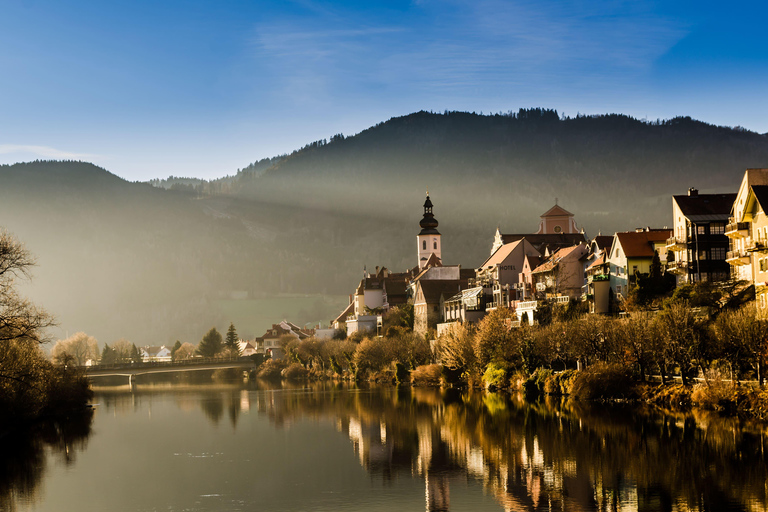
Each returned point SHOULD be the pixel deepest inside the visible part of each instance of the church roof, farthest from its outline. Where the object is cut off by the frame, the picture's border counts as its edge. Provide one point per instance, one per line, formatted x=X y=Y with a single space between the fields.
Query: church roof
x=557 y=211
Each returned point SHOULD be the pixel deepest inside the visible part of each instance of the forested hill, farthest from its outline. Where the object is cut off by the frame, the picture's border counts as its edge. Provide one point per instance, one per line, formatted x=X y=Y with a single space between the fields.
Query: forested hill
x=612 y=171
x=120 y=259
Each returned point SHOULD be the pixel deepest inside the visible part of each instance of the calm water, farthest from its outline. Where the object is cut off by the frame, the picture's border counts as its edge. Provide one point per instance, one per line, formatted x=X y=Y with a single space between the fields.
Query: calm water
x=329 y=448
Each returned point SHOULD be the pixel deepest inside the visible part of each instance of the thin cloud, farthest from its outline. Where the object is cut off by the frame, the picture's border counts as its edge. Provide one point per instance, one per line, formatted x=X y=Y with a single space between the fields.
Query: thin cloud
x=43 y=151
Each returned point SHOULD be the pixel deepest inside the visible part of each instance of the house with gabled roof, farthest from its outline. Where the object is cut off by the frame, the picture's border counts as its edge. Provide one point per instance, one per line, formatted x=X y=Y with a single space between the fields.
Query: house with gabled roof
x=631 y=253
x=562 y=274
x=698 y=244
x=500 y=273
x=747 y=210
x=269 y=343
x=247 y=348
x=428 y=299
x=155 y=354
x=747 y=231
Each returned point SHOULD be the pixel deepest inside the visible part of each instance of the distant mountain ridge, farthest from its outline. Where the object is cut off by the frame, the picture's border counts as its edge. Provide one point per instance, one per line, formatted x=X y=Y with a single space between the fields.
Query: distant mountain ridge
x=146 y=263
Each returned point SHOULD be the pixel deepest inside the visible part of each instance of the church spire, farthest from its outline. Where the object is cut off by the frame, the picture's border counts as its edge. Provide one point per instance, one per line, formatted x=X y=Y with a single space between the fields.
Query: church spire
x=428 y=238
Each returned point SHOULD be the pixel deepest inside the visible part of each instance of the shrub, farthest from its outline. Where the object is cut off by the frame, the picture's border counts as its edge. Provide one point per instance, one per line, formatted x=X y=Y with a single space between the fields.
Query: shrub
x=495 y=376
x=604 y=381
x=427 y=375
x=295 y=372
x=271 y=369
x=401 y=373
x=536 y=382
x=560 y=383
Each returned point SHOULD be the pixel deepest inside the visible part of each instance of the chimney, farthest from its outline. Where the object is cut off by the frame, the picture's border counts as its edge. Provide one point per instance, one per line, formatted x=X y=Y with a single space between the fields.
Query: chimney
x=693 y=192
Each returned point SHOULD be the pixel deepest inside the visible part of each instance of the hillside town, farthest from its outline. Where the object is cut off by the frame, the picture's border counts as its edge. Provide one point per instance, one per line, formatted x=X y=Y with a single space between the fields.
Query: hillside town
x=715 y=238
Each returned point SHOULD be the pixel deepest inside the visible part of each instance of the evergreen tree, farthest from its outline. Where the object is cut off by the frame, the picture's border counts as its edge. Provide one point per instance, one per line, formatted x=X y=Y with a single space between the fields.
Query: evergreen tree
x=176 y=346
x=211 y=344
x=231 y=340
x=135 y=355
x=107 y=355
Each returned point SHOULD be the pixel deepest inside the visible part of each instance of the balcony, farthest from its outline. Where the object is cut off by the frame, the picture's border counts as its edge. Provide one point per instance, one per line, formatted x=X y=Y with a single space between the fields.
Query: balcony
x=737 y=229
x=676 y=244
x=756 y=246
x=737 y=257
x=677 y=267
x=598 y=278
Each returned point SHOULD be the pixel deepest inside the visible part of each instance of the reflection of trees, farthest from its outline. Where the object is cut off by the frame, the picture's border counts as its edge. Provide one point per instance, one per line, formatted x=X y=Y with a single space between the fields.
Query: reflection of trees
x=213 y=407
x=547 y=455
x=23 y=460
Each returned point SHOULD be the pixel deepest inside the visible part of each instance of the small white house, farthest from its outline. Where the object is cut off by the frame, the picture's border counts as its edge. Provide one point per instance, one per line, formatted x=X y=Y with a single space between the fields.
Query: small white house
x=155 y=354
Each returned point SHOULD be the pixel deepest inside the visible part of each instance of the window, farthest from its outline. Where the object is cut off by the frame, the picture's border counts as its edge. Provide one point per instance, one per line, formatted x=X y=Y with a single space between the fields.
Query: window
x=718 y=253
x=424 y=245
x=717 y=228
x=701 y=230
x=702 y=255
x=434 y=245
x=762 y=263
x=618 y=289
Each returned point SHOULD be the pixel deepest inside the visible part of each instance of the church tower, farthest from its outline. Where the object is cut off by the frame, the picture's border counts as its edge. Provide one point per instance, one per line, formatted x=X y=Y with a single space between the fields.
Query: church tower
x=430 y=250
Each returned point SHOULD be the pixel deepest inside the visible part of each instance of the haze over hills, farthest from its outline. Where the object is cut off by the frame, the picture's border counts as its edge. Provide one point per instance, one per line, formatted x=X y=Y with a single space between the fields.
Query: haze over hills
x=120 y=259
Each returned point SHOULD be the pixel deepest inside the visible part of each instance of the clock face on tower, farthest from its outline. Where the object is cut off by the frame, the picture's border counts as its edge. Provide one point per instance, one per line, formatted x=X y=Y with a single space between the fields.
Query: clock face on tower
x=558 y=229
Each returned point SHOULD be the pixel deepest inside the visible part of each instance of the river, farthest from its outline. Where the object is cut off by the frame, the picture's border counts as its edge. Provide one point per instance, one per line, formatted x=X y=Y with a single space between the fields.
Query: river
x=327 y=447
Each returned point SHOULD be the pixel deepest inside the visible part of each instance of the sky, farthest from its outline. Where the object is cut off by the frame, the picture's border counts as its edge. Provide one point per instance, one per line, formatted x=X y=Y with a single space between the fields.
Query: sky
x=151 y=89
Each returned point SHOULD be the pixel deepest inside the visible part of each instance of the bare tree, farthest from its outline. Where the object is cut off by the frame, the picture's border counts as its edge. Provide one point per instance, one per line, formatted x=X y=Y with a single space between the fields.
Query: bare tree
x=78 y=349
x=19 y=319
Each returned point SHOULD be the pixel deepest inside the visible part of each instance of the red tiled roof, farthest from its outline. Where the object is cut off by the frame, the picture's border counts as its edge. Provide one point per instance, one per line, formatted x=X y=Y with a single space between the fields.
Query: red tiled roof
x=639 y=244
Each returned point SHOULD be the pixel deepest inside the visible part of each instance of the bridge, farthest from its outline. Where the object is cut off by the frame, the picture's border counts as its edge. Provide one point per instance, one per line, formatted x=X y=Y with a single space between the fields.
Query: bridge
x=132 y=369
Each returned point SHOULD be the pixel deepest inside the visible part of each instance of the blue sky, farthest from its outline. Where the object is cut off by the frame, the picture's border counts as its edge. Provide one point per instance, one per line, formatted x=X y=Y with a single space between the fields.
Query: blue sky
x=152 y=89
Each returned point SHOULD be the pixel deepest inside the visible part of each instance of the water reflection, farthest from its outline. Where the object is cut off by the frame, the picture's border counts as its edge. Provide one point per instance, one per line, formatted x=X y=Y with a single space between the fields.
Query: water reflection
x=549 y=455
x=25 y=456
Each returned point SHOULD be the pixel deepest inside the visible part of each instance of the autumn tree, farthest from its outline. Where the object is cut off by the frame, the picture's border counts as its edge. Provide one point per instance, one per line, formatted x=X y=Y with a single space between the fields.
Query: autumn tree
x=493 y=339
x=122 y=349
x=457 y=351
x=682 y=335
x=742 y=339
x=77 y=349
x=185 y=351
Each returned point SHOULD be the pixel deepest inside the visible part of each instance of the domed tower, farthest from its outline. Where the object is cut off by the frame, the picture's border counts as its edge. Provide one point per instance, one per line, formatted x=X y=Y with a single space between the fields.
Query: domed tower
x=429 y=238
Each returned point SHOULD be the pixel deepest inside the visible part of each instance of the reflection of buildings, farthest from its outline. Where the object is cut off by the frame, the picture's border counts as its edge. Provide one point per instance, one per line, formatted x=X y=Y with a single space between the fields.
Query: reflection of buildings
x=542 y=456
